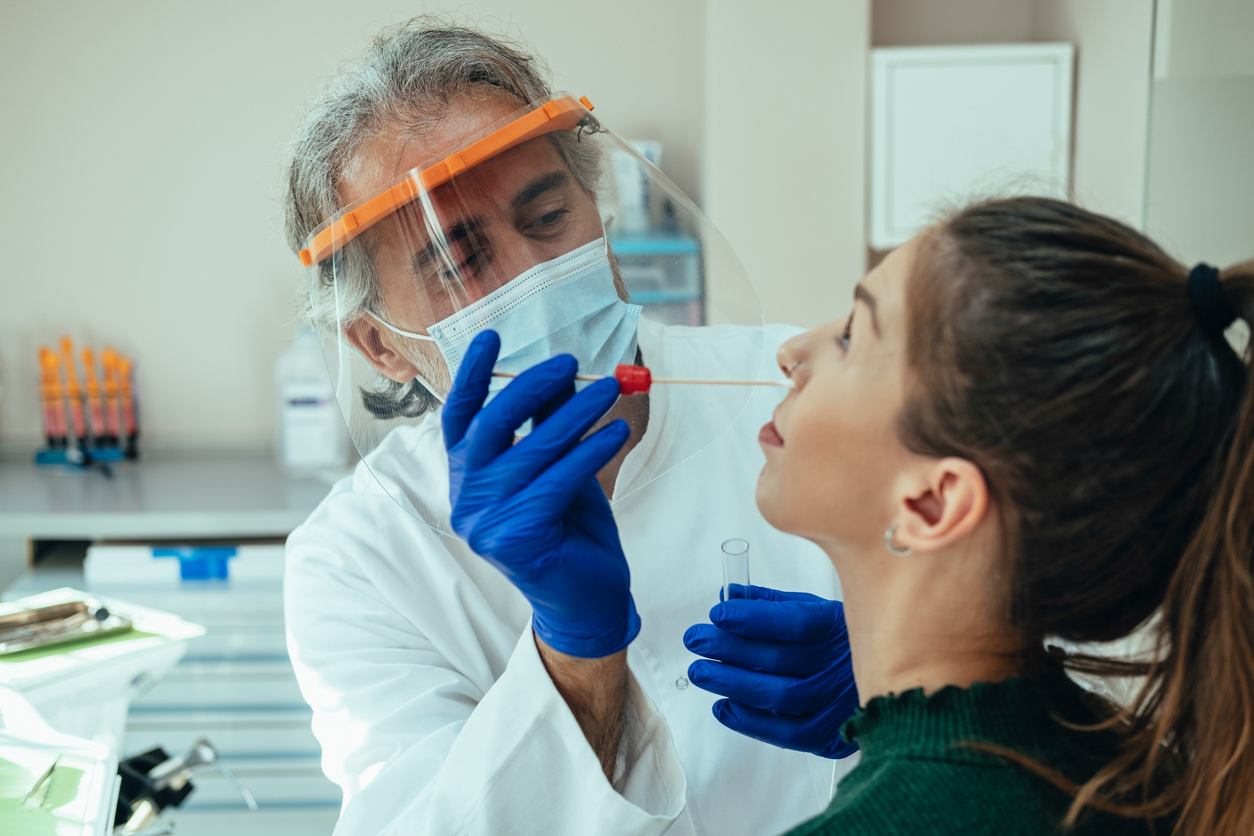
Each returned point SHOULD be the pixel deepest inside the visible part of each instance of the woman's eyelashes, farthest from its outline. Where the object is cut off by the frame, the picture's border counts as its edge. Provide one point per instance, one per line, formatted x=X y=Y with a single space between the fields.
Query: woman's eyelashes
x=847 y=334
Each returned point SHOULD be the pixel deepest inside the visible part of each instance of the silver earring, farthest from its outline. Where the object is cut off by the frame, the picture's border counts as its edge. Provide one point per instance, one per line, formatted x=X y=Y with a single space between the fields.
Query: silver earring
x=888 y=543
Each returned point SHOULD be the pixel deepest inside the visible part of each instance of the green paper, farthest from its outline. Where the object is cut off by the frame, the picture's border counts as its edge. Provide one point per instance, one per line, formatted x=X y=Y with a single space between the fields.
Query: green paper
x=62 y=786
x=15 y=781
x=74 y=644
x=17 y=819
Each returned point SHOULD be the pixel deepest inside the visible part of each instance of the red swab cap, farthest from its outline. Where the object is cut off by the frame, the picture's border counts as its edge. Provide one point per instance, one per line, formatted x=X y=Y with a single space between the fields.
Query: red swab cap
x=633 y=380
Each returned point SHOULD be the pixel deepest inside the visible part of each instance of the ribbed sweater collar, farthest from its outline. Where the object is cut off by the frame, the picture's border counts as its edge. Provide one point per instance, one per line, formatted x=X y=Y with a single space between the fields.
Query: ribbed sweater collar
x=1018 y=713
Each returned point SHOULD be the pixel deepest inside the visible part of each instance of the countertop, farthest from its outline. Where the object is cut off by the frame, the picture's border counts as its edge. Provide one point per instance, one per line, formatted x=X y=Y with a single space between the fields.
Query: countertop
x=194 y=498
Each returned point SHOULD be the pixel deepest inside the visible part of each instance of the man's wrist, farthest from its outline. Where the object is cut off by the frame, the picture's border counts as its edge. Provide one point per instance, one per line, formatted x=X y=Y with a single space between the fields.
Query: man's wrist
x=595 y=690
x=596 y=638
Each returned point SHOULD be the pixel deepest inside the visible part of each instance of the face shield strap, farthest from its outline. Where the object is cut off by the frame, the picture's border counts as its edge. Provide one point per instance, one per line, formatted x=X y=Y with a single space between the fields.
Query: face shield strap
x=396 y=330
x=426 y=384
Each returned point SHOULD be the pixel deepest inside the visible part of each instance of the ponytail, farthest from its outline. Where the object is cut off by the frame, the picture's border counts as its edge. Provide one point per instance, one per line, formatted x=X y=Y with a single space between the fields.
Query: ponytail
x=1190 y=753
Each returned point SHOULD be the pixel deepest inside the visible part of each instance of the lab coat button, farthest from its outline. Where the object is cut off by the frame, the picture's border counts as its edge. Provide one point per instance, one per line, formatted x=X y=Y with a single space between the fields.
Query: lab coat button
x=681 y=683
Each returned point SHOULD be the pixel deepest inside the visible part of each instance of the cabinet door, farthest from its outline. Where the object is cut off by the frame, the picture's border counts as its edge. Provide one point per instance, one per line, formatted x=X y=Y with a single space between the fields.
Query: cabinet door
x=949 y=124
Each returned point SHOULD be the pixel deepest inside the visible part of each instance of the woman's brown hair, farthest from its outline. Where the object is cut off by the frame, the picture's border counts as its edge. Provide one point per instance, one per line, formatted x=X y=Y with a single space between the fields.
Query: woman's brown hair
x=1059 y=351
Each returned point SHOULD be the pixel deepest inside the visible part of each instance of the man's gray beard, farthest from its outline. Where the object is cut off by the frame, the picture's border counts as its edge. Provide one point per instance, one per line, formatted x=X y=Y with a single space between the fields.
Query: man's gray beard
x=432 y=371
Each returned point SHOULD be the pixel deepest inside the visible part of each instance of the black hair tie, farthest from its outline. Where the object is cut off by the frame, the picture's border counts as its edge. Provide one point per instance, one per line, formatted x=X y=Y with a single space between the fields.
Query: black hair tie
x=1211 y=305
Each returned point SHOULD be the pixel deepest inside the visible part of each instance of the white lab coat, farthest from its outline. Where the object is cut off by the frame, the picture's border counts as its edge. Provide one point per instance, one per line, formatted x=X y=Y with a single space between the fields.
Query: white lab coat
x=430 y=700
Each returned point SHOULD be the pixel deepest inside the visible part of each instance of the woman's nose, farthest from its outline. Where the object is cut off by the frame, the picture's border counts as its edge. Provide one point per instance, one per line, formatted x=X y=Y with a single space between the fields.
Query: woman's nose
x=791 y=358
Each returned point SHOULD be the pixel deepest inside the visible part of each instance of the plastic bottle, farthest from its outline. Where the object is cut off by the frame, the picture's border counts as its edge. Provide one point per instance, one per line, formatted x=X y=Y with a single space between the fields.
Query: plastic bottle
x=311 y=433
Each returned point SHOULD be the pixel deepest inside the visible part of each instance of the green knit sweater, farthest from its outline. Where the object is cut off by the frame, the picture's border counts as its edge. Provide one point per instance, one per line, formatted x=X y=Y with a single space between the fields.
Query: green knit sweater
x=915 y=776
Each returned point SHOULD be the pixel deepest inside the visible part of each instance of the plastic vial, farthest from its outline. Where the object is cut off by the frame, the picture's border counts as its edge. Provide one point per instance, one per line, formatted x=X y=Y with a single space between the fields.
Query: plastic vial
x=735 y=567
x=311 y=433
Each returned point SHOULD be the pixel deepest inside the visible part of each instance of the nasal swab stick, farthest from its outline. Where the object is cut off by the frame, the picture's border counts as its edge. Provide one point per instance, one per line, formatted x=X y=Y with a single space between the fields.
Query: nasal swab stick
x=634 y=380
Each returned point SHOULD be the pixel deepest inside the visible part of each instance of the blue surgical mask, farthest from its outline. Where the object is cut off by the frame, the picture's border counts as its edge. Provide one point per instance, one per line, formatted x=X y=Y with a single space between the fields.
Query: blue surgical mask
x=565 y=306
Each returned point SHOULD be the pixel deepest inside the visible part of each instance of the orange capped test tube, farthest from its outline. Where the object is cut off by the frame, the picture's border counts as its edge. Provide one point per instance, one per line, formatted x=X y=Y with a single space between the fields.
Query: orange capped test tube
x=109 y=359
x=73 y=392
x=127 y=394
x=45 y=400
x=95 y=411
x=54 y=407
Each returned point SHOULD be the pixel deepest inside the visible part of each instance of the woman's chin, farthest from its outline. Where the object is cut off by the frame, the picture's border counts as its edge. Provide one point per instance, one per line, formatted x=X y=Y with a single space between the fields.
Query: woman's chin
x=767 y=497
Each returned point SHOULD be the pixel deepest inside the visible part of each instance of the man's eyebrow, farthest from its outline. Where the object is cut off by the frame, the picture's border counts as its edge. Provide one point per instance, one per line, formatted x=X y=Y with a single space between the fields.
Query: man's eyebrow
x=860 y=292
x=457 y=232
x=540 y=185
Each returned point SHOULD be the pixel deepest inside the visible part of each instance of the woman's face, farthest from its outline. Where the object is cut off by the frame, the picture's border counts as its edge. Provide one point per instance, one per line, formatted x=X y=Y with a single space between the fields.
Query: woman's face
x=832 y=451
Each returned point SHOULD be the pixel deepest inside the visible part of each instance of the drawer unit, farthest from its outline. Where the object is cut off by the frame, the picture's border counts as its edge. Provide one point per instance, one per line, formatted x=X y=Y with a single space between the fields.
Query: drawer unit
x=236 y=734
x=235 y=686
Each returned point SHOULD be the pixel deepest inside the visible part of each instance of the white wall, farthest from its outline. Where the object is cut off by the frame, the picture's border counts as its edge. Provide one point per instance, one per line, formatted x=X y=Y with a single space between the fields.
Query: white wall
x=932 y=23
x=140 y=159
x=1205 y=38
x=1200 y=184
x=1114 y=46
x=784 y=149
x=1113 y=39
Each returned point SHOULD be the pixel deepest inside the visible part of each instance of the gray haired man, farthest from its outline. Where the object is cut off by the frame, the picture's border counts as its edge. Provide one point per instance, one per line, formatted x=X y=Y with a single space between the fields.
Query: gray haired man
x=438 y=188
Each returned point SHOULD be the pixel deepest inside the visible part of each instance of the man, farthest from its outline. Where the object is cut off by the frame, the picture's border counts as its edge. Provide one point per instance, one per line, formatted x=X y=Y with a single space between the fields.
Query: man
x=437 y=190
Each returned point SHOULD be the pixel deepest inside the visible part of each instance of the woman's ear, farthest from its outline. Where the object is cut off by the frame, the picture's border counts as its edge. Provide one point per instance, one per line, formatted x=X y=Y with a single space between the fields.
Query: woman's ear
x=942 y=504
x=376 y=347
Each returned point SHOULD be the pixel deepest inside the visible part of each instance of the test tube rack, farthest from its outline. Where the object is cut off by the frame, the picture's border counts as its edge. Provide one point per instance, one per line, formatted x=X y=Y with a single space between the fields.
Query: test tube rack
x=91 y=420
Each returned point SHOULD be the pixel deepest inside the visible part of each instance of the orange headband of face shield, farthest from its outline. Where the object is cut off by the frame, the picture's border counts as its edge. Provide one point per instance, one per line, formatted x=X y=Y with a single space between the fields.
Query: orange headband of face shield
x=557 y=115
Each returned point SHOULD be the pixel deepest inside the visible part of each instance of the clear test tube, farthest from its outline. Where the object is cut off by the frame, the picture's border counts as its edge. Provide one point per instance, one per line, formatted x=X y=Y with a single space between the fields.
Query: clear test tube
x=735 y=567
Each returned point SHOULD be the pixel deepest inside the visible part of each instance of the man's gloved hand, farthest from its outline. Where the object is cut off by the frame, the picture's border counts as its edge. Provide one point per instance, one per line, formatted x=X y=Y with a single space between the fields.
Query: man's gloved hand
x=784 y=665
x=535 y=509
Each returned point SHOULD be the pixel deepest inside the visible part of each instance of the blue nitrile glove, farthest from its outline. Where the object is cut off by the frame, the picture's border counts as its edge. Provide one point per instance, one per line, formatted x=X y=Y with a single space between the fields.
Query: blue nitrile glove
x=535 y=509
x=784 y=664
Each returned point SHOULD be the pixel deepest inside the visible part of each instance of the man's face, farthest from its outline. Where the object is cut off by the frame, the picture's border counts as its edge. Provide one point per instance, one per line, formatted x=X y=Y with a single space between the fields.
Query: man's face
x=469 y=236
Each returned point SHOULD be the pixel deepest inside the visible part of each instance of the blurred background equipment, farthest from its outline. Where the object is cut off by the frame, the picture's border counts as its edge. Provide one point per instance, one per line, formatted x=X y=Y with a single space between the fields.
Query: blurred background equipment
x=235 y=686
x=311 y=434
x=660 y=264
x=153 y=781
x=83 y=685
x=80 y=427
x=52 y=782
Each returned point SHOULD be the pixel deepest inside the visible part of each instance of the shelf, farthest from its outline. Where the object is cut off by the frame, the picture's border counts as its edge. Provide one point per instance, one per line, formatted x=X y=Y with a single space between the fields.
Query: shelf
x=659 y=244
x=662 y=297
x=236 y=496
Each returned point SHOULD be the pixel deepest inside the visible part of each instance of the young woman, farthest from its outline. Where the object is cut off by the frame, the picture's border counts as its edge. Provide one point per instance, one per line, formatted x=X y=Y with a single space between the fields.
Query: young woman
x=1030 y=426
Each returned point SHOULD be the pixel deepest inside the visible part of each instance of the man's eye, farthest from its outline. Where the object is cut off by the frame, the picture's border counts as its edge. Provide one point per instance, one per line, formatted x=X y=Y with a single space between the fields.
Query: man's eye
x=464 y=268
x=549 y=219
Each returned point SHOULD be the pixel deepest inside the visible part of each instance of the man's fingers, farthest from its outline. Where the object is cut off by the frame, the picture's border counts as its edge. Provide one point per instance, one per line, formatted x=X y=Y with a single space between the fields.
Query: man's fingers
x=471 y=387
x=522 y=463
x=555 y=488
x=787 y=621
x=552 y=405
x=491 y=432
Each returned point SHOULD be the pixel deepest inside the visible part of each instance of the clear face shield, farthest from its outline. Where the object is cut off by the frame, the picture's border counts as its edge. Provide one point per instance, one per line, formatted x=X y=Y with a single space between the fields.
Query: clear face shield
x=545 y=227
